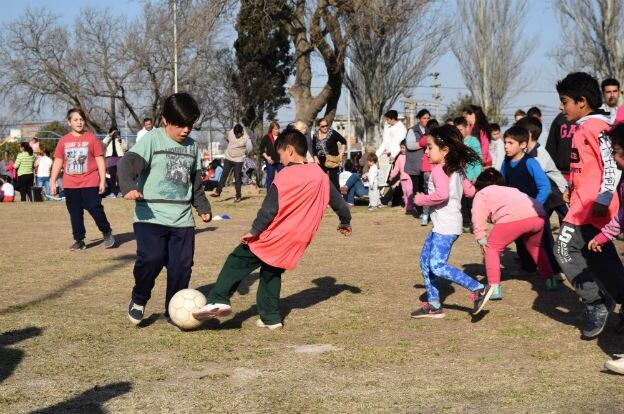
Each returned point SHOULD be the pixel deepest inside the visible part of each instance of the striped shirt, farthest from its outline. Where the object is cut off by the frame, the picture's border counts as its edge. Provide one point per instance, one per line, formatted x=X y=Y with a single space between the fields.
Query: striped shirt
x=24 y=163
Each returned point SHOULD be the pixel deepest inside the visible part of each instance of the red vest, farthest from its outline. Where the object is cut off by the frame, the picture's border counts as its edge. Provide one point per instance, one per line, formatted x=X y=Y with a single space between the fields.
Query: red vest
x=303 y=195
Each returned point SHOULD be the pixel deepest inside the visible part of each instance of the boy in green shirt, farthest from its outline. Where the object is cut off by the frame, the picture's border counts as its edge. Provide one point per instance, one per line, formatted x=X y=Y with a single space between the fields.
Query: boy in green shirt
x=162 y=174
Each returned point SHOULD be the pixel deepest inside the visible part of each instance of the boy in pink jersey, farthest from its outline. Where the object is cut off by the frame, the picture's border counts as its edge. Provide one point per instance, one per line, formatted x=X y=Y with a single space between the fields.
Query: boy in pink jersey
x=286 y=223
x=597 y=278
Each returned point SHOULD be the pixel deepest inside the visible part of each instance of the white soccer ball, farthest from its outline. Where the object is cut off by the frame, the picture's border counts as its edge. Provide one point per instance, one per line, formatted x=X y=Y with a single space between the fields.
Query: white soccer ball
x=182 y=306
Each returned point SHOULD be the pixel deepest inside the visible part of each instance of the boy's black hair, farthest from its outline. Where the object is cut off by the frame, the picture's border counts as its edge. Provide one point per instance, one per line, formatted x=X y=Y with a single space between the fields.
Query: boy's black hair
x=520 y=112
x=147 y=119
x=432 y=123
x=348 y=166
x=422 y=113
x=517 y=133
x=295 y=139
x=238 y=130
x=609 y=82
x=494 y=127
x=78 y=111
x=459 y=154
x=181 y=109
x=372 y=157
x=617 y=136
x=532 y=125
x=534 y=111
x=392 y=114
x=47 y=152
x=489 y=176
x=460 y=120
x=579 y=85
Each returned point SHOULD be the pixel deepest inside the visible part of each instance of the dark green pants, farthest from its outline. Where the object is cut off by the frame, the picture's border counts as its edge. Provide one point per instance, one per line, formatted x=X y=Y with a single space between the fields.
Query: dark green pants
x=240 y=263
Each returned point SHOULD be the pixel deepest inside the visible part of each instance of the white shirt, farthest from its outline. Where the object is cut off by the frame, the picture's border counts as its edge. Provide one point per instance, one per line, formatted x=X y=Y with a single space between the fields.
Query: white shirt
x=343 y=177
x=612 y=110
x=446 y=217
x=140 y=134
x=44 y=167
x=391 y=139
x=8 y=190
x=497 y=152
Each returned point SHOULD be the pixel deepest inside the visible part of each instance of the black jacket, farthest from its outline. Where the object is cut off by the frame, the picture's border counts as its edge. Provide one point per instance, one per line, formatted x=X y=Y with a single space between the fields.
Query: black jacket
x=331 y=143
x=559 y=143
x=266 y=146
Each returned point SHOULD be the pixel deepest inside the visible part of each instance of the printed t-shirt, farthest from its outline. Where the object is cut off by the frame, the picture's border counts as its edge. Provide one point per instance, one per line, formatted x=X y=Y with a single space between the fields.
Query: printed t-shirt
x=78 y=155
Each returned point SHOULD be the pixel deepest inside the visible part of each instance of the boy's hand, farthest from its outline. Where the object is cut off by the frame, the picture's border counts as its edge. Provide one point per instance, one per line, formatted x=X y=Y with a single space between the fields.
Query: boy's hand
x=247 y=237
x=566 y=196
x=345 y=231
x=206 y=217
x=53 y=189
x=600 y=210
x=482 y=249
x=594 y=246
x=133 y=195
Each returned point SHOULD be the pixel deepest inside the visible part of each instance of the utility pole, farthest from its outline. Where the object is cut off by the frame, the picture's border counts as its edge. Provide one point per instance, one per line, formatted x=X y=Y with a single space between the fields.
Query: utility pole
x=436 y=93
x=175 y=46
x=348 y=116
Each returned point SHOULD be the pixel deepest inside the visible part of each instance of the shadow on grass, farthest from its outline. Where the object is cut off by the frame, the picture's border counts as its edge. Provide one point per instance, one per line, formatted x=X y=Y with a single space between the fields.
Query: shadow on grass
x=242 y=288
x=117 y=261
x=90 y=401
x=10 y=358
x=325 y=289
x=123 y=238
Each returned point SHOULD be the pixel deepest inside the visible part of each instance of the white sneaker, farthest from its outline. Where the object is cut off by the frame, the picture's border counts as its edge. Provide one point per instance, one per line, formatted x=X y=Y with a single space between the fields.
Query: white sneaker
x=261 y=324
x=212 y=310
x=616 y=365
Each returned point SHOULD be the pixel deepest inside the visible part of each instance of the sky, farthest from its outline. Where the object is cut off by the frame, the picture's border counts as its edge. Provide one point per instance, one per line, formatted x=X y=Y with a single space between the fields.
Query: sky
x=542 y=70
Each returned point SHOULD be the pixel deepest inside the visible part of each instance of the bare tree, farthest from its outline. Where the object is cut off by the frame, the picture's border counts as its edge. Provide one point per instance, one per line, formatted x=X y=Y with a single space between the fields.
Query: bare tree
x=396 y=41
x=490 y=50
x=323 y=26
x=594 y=36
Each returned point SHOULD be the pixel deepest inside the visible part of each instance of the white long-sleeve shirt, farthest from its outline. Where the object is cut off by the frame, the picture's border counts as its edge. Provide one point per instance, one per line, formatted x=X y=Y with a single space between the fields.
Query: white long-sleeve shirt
x=548 y=165
x=391 y=139
x=497 y=152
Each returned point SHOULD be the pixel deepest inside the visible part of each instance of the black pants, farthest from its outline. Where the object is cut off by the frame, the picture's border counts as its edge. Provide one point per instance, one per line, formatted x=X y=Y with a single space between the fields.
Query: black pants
x=211 y=185
x=238 y=172
x=157 y=247
x=113 y=183
x=548 y=243
x=466 y=210
x=79 y=199
x=25 y=183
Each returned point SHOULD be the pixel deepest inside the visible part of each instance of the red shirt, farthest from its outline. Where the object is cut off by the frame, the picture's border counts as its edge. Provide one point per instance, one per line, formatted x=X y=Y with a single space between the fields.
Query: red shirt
x=78 y=155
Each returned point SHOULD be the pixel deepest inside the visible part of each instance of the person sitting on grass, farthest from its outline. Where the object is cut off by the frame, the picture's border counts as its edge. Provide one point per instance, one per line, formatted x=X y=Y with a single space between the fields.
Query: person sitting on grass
x=284 y=227
x=7 y=191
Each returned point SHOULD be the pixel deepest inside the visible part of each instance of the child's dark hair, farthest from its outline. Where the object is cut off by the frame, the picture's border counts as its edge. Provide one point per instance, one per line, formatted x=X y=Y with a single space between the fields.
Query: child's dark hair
x=46 y=152
x=579 y=85
x=402 y=143
x=181 y=109
x=520 y=112
x=26 y=147
x=76 y=111
x=238 y=130
x=489 y=176
x=534 y=111
x=460 y=120
x=532 y=125
x=348 y=166
x=147 y=119
x=518 y=134
x=459 y=155
x=295 y=139
x=392 y=114
x=617 y=136
x=481 y=122
x=494 y=127
x=372 y=158
x=432 y=123
x=422 y=113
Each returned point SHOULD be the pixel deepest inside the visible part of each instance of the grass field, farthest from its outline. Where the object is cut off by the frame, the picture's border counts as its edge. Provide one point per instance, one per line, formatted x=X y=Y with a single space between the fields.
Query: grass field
x=348 y=344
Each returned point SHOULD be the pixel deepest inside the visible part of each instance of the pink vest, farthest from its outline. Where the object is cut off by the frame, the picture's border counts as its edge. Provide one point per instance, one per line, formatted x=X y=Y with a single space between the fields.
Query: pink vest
x=303 y=195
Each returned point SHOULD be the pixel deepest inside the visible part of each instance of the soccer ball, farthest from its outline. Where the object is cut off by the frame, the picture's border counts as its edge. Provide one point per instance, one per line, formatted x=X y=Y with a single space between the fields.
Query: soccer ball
x=182 y=306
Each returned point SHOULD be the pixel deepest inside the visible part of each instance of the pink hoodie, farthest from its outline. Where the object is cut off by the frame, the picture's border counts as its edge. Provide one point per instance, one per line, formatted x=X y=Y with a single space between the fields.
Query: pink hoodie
x=499 y=204
x=399 y=167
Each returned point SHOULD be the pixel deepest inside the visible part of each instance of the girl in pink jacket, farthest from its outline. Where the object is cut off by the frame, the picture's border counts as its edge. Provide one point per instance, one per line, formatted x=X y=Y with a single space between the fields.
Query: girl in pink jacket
x=514 y=215
x=406 y=180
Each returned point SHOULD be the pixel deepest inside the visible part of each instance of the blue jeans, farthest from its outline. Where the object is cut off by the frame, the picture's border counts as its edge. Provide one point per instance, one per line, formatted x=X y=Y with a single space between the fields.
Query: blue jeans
x=355 y=188
x=271 y=169
x=433 y=258
x=45 y=183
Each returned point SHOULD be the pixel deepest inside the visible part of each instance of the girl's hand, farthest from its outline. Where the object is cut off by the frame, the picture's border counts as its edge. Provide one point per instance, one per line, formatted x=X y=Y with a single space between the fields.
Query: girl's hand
x=53 y=189
x=594 y=246
x=482 y=249
x=102 y=188
x=206 y=217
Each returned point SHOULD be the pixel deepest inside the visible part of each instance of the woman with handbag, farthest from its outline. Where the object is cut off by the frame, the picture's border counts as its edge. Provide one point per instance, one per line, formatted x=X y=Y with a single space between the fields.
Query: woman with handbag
x=327 y=152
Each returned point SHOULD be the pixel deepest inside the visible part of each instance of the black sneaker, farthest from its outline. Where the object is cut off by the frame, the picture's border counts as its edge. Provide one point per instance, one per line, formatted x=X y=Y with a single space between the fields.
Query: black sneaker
x=596 y=316
x=428 y=311
x=109 y=240
x=480 y=298
x=135 y=313
x=78 y=245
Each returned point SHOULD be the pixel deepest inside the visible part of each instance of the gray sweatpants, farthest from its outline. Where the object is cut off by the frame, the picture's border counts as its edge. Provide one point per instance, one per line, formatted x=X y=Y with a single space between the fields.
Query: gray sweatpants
x=592 y=274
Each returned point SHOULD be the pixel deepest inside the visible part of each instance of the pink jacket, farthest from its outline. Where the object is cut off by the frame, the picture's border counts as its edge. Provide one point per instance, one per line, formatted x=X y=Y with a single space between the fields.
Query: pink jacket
x=399 y=167
x=499 y=204
x=614 y=227
x=426 y=166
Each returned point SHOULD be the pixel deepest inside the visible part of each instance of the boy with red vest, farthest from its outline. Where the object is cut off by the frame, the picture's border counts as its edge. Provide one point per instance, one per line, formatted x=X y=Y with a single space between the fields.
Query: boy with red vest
x=286 y=223
x=597 y=278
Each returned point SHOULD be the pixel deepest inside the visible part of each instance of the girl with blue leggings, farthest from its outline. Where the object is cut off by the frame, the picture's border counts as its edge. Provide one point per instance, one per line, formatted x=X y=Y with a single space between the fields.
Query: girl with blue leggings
x=449 y=156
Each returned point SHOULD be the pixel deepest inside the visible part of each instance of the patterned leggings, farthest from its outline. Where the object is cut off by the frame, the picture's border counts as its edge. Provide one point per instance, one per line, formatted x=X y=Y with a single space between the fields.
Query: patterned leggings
x=433 y=258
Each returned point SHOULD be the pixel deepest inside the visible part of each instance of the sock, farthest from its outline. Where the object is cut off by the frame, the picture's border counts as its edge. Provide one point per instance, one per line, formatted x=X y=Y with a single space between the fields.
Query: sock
x=435 y=304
